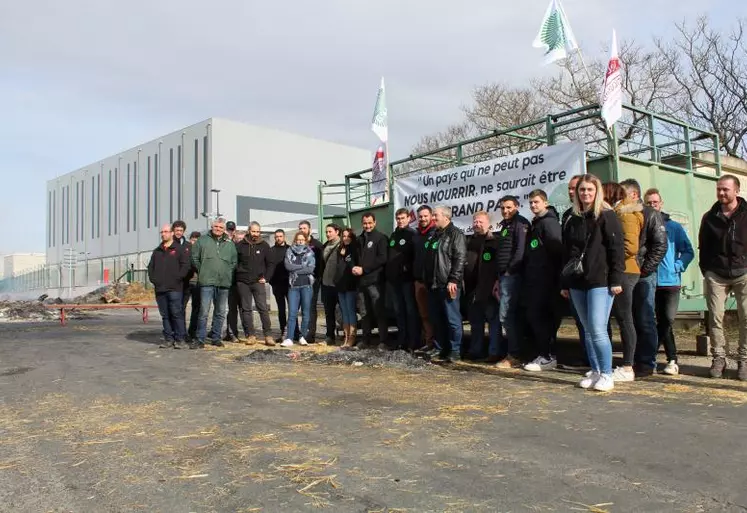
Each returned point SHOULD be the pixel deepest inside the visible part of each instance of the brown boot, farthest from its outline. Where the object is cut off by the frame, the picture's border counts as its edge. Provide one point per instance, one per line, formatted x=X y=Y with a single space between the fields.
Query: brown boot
x=345 y=331
x=351 y=335
x=269 y=341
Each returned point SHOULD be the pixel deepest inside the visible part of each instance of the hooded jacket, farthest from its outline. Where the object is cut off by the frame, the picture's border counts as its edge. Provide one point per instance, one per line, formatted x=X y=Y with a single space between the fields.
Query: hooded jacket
x=347 y=258
x=722 y=241
x=168 y=267
x=400 y=256
x=511 y=235
x=418 y=241
x=215 y=260
x=679 y=255
x=254 y=261
x=300 y=263
x=318 y=249
x=279 y=276
x=652 y=245
x=372 y=251
x=446 y=253
x=543 y=255
x=480 y=266
x=630 y=214
x=604 y=260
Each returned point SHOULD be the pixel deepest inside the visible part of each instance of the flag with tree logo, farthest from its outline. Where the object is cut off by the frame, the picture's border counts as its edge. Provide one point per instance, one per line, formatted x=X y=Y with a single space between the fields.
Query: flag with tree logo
x=555 y=34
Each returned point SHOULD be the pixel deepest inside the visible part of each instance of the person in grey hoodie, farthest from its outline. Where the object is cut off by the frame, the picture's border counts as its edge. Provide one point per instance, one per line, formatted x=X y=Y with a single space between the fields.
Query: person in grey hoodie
x=300 y=263
x=328 y=290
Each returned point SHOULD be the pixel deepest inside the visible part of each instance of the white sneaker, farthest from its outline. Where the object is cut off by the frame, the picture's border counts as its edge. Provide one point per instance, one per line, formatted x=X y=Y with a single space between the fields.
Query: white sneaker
x=541 y=363
x=605 y=383
x=286 y=343
x=620 y=374
x=590 y=380
x=672 y=368
x=303 y=342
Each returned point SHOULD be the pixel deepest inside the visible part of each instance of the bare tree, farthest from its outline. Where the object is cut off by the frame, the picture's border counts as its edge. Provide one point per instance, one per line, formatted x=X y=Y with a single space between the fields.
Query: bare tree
x=711 y=71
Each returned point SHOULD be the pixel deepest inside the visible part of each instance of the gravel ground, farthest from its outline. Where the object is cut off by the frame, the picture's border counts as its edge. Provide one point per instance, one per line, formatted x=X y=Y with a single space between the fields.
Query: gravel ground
x=95 y=418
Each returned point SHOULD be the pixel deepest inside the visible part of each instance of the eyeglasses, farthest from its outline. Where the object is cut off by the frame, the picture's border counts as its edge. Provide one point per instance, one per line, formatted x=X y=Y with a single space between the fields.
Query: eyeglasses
x=165 y=231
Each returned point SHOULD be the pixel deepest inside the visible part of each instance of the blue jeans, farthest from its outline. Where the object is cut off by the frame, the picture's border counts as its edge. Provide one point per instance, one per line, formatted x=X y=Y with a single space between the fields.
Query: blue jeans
x=218 y=297
x=593 y=307
x=644 y=317
x=406 y=310
x=508 y=315
x=299 y=296
x=447 y=320
x=347 y=306
x=479 y=313
x=172 y=315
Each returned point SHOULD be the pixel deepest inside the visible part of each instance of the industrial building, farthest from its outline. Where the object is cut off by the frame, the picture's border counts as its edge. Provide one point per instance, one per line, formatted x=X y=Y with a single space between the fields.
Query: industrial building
x=104 y=218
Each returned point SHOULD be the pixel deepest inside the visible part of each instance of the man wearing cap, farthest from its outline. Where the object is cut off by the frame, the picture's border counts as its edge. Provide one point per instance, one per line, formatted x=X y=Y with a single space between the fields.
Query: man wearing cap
x=232 y=317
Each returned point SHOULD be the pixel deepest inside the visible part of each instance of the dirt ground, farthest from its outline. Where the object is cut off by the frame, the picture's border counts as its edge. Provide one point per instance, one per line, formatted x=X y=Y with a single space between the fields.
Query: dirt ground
x=95 y=418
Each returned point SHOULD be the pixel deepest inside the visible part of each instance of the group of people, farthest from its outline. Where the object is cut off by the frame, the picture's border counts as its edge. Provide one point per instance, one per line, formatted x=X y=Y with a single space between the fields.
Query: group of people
x=614 y=253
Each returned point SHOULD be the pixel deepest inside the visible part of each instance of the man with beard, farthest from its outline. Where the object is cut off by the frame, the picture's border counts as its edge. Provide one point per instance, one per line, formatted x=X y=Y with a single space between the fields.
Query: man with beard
x=426 y=227
x=253 y=266
x=372 y=247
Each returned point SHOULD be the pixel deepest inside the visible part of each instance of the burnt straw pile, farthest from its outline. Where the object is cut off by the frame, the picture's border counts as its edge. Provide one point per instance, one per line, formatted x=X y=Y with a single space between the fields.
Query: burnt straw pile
x=368 y=358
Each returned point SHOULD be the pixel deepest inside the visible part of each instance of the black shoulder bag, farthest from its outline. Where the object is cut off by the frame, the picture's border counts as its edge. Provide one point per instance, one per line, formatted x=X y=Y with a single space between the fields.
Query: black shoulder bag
x=574 y=268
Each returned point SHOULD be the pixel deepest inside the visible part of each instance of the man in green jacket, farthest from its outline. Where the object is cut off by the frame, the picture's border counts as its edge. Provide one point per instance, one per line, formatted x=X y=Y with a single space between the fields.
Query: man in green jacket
x=214 y=258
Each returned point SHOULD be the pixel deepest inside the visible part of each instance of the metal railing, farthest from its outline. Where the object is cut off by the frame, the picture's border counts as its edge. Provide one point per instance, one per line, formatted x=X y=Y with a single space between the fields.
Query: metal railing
x=639 y=136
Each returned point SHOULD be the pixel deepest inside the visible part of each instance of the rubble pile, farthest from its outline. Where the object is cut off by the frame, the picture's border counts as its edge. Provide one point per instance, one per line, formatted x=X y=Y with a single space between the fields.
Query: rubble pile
x=368 y=358
x=25 y=311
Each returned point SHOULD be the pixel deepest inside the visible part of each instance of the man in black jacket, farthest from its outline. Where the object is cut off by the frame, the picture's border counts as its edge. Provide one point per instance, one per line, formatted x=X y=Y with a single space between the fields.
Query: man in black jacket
x=279 y=282
x=372 y=247
x=425 y=228
x=443 y=270
x=722 y=244
x=511 y=235
x=652 y=248
x=399 y=277
x=480 y=275
x=541 y=284
x=179 y=227
x=318 y=248
x=168 y=266
x=253 y=267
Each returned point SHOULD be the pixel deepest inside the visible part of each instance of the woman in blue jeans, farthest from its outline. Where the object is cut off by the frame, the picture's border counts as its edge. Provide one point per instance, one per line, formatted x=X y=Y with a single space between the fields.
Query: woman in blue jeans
x=593 y=235
x=300 y=263
x=347 y=286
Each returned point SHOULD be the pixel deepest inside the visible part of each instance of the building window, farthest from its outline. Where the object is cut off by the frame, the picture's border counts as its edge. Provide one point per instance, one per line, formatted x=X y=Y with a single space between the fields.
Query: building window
x=98 y=204
x=109 y=203
x=134 y=196
x=116 y=201
x=93 y=207
x=67 y=215
x=205 y=181
x=197 y=179
x=49 y=219
x=82 y=210
x=156 y=189
x=127 y=195
x=77 y=211
x=147 y=195
x=179 y=182
x=171 y=185
x=54 y=217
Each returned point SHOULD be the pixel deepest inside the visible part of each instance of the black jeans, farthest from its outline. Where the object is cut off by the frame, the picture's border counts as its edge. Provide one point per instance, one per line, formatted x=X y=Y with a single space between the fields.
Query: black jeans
x=406 y=310
x=329 y=300
x=172 y=315
x=372 y=305
x=667 y=302
x=542 y=314
x=254 y=294
x=314 y=310
x=281 y=298
x=622 y=309
x=232 y=317
x=194 y=316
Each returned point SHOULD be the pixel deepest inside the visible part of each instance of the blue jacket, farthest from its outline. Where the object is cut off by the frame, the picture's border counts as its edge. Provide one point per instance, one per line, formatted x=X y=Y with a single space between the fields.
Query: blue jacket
x=679 y=254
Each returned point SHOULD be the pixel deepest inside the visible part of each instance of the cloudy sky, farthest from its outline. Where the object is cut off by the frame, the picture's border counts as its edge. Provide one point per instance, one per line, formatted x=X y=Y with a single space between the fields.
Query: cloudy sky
x=83 y=79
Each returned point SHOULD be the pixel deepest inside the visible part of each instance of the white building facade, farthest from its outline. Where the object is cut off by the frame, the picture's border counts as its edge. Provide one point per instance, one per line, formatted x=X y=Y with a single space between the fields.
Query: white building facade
x=104 y=218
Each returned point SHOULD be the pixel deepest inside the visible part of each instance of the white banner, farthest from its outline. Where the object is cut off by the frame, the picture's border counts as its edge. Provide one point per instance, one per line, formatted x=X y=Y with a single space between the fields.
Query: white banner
x=474 y=187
